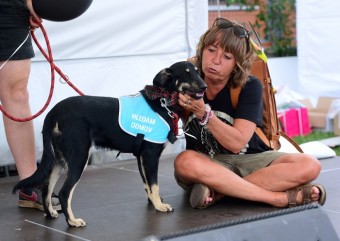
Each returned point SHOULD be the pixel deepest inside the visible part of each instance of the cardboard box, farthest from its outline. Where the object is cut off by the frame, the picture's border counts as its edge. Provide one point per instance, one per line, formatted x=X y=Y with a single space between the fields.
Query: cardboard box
x=318 y=115
x=295 y=121
x=337 y=125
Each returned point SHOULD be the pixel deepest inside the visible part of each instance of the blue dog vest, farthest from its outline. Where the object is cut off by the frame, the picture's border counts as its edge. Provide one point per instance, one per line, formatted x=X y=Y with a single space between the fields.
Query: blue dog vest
x=137 y=117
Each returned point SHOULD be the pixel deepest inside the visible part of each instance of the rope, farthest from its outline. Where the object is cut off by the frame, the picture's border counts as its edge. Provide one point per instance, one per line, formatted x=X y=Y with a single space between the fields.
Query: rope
x=54 y=68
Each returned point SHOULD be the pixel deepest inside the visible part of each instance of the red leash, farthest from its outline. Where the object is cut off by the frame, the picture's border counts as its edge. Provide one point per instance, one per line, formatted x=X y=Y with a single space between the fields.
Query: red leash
x=54 y=68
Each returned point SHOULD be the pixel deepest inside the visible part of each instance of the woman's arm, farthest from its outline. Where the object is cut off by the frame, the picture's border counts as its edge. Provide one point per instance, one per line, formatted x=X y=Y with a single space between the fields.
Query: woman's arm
x=233 y=138
x=34 y=17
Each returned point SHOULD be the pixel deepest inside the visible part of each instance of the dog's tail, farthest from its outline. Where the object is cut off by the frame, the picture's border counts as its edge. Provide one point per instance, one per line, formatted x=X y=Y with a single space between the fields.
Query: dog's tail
x=48 y=161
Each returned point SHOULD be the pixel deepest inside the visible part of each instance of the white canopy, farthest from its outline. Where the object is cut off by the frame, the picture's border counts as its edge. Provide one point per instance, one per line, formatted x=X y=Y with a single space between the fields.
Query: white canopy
x=318 y=47
x=115 y=48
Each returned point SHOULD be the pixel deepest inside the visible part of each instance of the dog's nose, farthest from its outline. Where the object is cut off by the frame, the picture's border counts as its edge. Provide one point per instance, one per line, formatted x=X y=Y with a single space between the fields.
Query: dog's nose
x=204 y=86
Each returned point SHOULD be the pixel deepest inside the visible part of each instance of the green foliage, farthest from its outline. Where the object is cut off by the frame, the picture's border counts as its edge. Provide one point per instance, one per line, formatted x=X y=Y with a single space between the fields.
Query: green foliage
x=279 y=19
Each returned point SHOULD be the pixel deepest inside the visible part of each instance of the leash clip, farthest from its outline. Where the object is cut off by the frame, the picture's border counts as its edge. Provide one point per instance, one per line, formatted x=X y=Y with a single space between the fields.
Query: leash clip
x=61 y=79
x=165 y=105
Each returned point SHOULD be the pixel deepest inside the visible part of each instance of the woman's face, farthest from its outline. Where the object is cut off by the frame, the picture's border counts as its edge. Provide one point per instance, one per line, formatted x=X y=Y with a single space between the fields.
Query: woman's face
x=217 y=64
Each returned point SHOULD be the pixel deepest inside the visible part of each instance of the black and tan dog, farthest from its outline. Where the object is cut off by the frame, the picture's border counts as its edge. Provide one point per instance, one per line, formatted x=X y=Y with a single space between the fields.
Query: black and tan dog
x=77 y=123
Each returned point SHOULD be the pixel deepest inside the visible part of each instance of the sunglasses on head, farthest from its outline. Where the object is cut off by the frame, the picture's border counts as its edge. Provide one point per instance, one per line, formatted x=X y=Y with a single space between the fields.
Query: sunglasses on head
x=238 y=30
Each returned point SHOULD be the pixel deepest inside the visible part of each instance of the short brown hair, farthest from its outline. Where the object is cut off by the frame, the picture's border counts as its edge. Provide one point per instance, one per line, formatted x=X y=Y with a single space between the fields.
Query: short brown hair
x=233 y=44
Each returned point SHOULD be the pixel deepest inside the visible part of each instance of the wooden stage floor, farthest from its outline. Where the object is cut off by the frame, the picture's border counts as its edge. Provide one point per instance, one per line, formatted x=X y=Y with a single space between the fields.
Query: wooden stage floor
x=110 y=197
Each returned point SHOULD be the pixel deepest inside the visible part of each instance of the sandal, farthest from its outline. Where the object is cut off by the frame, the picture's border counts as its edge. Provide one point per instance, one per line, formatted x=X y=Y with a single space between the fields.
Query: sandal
x=199 y=194
x=306 y=195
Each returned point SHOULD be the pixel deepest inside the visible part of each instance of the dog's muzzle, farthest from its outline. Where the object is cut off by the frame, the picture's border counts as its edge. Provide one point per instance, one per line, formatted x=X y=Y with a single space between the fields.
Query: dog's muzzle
x=196 y=95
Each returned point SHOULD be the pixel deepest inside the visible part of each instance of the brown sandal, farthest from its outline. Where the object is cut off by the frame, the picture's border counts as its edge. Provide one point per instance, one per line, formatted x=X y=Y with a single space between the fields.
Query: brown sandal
x=199 y=194
x=306 y=193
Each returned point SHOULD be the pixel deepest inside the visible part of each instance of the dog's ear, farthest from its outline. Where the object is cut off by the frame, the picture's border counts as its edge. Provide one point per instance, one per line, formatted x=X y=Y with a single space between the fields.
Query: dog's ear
x=163 y=77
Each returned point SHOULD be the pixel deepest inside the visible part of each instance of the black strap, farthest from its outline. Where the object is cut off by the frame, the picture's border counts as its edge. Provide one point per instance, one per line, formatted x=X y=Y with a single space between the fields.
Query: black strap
x=138 y=143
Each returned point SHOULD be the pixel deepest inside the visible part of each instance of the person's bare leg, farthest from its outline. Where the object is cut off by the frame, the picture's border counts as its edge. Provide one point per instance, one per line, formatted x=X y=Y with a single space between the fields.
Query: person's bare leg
x=286 y=172
x=193 y=167
x=14 y=98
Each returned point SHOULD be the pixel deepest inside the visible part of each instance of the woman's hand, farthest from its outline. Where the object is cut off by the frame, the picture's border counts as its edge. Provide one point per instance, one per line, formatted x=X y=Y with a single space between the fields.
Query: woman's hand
x=192 y=105
x=34 y=18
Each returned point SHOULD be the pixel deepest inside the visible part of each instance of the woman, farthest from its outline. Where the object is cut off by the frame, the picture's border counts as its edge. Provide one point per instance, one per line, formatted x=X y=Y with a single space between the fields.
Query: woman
x=224 y=156
x=16 y=51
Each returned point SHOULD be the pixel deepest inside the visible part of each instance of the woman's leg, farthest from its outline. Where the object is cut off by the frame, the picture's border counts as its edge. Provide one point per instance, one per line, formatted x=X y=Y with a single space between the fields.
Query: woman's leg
x=193 y=167
x=14 y=98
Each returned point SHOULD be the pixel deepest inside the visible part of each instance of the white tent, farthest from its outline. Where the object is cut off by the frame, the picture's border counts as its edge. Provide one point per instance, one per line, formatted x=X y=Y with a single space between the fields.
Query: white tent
x=318 y=47
x=115 y=48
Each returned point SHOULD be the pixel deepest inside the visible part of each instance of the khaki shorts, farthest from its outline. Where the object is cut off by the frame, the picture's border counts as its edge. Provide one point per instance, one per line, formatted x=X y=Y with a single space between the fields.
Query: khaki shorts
x=242 y=165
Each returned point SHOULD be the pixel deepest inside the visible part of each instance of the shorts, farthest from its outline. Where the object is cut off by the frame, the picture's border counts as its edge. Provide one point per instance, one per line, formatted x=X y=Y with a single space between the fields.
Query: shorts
x=14 y=28
x=11 y=39
x=242 y=165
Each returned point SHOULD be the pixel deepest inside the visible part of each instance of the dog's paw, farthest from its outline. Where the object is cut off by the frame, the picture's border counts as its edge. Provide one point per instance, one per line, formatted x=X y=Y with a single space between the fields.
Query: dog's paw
x=77 y=222
x=51 y=214
x=164 y=207
x=54 y=214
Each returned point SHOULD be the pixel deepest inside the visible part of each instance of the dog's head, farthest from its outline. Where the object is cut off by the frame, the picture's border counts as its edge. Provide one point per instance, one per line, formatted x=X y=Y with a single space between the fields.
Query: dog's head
x=182 y=77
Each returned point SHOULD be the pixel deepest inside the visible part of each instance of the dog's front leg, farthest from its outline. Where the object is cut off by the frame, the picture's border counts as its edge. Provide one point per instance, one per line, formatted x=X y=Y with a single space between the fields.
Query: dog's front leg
x=149 y=170
x=153 y=195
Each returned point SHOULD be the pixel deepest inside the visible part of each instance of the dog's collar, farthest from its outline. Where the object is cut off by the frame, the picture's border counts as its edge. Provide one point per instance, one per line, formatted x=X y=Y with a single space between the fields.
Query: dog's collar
x=166 y=99
x=154 y=92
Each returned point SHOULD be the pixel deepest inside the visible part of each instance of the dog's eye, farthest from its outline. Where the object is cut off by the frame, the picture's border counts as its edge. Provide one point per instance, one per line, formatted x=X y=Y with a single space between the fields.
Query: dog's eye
x=187 y=70
x=198 y=71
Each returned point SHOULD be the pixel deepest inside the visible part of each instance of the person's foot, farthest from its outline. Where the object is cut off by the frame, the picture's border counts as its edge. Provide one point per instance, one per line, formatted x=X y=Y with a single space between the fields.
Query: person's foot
x=32 y=198
x=306 y=194
x=201 y=196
